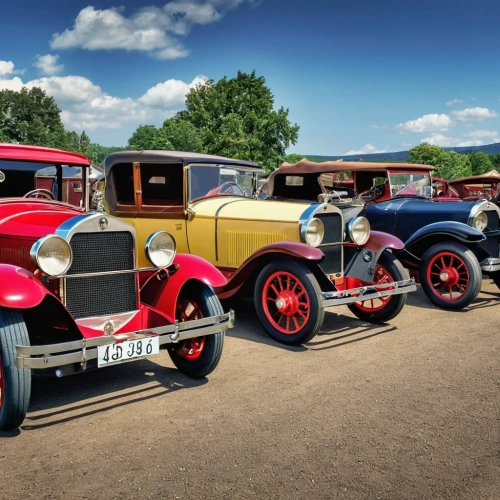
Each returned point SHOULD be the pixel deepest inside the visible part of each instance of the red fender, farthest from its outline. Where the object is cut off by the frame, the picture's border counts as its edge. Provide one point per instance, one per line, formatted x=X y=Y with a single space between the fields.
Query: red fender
x=163 y=294
x=20 y=289
x=294 y=249
x=380 y=241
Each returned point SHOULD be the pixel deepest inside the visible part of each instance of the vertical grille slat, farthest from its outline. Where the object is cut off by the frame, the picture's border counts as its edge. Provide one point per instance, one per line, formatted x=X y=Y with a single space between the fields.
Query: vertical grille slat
x=101 y=295
x=334 y=233
x=242 y=244
x=492 y=243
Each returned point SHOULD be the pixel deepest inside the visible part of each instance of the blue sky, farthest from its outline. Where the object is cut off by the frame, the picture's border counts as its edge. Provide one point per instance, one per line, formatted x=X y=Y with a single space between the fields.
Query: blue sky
x=357 y=76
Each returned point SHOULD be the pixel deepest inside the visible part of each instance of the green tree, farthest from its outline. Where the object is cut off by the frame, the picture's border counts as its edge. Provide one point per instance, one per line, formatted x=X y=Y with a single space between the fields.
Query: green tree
x=96 y=153
x=428 y=154
x=294 y=158
x=481 y=163
x=457 y=166
x=83 y=144
x=143 y=138
x=179 y=135
x=31 y=117
x=236 y=117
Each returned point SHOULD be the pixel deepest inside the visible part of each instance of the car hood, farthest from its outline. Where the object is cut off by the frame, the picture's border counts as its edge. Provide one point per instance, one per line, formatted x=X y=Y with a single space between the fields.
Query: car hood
x=33 y=219
x=231 y=207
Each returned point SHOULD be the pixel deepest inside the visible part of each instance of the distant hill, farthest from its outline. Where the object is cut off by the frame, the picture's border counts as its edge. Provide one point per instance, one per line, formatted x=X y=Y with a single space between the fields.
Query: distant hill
x=404 y=155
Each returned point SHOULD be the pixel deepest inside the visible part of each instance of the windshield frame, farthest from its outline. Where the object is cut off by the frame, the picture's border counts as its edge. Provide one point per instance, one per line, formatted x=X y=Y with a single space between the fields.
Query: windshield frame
x=254 y=172
x=424 y=174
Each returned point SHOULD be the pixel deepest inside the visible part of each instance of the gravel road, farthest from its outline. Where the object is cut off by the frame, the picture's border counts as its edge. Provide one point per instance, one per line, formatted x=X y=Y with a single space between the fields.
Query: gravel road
x=407 y=410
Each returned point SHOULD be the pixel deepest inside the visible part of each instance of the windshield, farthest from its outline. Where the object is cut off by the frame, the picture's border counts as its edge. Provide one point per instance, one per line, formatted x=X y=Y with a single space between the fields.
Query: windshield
x=410 y=184
x=219 y=181
x=39 y=180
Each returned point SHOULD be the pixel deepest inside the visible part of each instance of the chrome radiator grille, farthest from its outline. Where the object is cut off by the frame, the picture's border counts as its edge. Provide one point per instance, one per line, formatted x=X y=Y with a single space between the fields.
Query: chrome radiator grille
x=334 y=233
x=101 y=295
x=492 y=242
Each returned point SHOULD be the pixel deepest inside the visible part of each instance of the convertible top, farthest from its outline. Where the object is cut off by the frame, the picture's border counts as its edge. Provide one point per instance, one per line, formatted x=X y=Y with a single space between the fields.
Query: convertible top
x=306 y=166
x=491 y=176
x=172 y=157
x=38 y=154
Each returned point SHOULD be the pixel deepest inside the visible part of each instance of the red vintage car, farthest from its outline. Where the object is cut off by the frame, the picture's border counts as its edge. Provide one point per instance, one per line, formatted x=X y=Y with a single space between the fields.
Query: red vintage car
x=475 y=187
x=72 y=296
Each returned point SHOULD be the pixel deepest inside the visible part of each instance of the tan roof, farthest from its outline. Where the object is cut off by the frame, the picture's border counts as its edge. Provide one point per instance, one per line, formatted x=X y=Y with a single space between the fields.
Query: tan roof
x=491 y=176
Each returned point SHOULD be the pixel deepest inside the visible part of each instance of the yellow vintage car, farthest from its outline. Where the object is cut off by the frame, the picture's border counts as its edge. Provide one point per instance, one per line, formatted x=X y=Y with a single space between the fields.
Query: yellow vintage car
x=295 y=259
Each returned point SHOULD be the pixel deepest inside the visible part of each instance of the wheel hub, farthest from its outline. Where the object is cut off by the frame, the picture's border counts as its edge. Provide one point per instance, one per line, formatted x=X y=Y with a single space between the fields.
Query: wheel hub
x=449 y=276
x=286 y=303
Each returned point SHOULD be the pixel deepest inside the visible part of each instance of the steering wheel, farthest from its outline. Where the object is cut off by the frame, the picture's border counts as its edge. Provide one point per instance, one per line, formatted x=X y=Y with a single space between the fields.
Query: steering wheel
x=376 y=191
x=40 y=193
x=228 y=187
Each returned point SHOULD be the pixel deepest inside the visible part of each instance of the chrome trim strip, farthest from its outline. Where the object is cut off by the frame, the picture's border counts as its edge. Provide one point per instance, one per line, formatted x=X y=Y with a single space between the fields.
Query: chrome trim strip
x=367 y=292
x=49 y=356
x=104 y=273
x=483 y=206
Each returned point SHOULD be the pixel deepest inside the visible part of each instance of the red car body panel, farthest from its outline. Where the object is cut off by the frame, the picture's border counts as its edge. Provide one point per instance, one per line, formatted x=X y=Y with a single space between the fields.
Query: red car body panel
x=40 y=154
x=190 y=268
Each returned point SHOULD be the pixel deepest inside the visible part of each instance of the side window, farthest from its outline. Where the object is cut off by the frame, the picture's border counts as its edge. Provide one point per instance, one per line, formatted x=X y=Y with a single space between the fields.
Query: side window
x=162 y=184
x=123 y=180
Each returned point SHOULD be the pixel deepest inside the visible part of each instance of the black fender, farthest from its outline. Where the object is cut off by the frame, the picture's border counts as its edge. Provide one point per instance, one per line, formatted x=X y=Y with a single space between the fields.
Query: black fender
x=438 y=232
x=363 y=260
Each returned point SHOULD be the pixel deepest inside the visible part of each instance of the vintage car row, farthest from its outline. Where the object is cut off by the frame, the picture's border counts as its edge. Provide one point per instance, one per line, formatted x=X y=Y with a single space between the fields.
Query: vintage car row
x=293 y=259
x=476 y=187
x=73 y=296
x=448 y=246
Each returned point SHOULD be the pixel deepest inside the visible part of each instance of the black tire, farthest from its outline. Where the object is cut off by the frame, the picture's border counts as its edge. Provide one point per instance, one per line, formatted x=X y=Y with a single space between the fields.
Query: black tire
x=395 y=303
x=473 y=274
x=307 y=328
x=209 y=305
x=16 y=382
x=496 y=278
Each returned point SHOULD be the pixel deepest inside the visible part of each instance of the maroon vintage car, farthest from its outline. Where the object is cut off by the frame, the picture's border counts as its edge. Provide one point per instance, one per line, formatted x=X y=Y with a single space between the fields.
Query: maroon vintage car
x=72 y=296
x=475 y=187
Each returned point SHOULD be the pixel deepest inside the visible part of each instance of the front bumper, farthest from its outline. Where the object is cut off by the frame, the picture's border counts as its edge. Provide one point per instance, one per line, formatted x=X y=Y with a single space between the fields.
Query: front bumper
x=490 y=265
x=81 y=351
x=367 y=292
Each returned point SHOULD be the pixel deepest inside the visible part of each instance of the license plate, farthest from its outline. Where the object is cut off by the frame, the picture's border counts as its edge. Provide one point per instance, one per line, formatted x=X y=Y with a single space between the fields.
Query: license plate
x=129 y=349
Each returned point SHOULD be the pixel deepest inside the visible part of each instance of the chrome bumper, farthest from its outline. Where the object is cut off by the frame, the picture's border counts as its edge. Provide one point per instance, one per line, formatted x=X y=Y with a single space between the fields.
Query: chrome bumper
x=81 y=351
x=368 y=292
x=490 y=265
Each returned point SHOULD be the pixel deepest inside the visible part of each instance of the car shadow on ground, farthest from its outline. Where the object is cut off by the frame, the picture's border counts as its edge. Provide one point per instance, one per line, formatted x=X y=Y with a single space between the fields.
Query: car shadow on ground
x=484 y=299
x=58 y=400
x=337 y=330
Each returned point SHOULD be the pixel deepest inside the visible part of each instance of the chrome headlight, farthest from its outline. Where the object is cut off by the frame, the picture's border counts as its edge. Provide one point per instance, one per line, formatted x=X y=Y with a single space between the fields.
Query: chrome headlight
x=480 y=221
x=313 y=232
x=52 y=254
x=160 y=249
x=359 y=230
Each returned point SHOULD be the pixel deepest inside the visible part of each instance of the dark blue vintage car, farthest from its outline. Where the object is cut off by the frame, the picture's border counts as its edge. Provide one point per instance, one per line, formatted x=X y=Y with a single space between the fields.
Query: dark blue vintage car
x=449 y=245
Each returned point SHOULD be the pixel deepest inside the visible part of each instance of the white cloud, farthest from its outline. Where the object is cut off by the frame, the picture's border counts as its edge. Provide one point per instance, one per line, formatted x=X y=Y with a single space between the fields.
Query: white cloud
x=47 y=64
x=476 y=114
x=427 y=123
x=86 y=106
x=440 y=140
x=366 y=149
x=454 y=101
x=151 y=29
x=380 y=127
x=7 y=68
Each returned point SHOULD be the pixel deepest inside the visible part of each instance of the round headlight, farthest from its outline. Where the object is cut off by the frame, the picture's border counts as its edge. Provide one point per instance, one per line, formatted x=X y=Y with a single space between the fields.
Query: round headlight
x=160 y=249
x=314 y=232
x=359 y=230
x=480 y=221
x=52 y=254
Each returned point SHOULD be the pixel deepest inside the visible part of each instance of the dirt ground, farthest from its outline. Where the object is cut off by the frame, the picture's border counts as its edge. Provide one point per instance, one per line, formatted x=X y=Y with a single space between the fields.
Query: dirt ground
x=407 y=410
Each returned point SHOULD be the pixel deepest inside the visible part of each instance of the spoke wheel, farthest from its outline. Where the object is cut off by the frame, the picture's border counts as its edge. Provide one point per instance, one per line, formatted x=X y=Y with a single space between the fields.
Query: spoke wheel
x=189 y=310
x=382 y=309
x=381 y=276
x=197 y=357
x=2 y=384
x=449 y=276
x=286 y=303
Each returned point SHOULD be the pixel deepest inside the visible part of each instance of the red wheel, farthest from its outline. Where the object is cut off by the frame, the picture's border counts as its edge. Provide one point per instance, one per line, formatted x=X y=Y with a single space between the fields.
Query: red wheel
x=189 y=310
x=285 y=302
x=288 y=302
x=197 y=357
x=383 y=309
x=448 y=275
x=381 y=276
